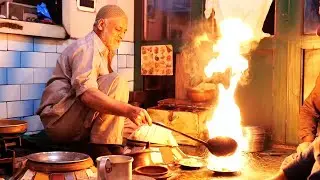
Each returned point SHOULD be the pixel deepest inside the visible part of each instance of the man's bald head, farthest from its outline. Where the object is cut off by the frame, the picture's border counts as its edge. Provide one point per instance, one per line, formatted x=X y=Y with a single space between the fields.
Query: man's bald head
x=110 y=11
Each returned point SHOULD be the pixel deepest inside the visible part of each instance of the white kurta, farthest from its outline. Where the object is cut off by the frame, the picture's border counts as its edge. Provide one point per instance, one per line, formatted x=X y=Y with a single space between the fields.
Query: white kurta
x=81 y=66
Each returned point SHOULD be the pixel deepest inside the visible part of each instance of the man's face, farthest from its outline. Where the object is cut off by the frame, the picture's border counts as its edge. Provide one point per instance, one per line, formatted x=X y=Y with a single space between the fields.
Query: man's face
x=113 y=31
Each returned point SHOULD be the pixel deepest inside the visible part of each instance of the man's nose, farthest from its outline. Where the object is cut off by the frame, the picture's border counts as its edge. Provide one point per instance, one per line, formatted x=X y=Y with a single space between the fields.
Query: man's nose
x=121 y=35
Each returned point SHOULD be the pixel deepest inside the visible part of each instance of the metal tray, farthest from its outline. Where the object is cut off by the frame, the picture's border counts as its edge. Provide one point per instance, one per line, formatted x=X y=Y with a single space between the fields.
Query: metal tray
x=58 y=157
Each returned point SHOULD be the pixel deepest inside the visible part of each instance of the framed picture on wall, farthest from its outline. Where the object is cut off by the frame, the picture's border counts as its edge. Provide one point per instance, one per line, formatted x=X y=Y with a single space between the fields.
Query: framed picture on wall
x=311 y=16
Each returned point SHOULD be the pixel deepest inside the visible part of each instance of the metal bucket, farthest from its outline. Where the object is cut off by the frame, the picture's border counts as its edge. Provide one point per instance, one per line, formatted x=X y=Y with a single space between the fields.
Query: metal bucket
x=255 y=136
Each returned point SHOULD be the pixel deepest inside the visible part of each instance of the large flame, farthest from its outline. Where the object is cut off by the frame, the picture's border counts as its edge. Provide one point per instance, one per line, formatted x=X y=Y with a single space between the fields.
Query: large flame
x=226 y=119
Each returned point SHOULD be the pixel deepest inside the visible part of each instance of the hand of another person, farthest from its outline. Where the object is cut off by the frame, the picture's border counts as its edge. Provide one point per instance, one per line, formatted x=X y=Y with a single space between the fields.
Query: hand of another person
x=303 y=146
x=139 y=116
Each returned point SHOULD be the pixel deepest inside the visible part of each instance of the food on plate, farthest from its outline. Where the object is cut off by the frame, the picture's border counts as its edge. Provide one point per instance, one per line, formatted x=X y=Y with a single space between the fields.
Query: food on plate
x=192 y=162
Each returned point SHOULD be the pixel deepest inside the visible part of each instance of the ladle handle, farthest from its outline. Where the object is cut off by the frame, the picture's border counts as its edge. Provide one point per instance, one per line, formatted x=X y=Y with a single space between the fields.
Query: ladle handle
x=188 y=136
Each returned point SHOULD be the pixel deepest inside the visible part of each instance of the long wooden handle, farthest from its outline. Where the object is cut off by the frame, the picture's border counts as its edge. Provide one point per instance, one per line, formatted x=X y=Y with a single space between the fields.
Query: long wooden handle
x=186 y=135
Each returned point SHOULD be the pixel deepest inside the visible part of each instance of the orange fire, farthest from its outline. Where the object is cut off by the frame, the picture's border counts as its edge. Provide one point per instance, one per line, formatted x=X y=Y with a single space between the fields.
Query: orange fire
x=226 y=119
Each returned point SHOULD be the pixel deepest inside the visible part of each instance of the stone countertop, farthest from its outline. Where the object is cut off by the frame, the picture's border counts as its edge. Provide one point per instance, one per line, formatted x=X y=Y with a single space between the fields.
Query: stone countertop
x=257 y=167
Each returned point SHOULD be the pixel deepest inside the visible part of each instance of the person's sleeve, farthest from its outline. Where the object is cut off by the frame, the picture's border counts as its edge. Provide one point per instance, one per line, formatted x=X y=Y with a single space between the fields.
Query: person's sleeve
x=308 y=113
x=84 y=71
x=299 y=165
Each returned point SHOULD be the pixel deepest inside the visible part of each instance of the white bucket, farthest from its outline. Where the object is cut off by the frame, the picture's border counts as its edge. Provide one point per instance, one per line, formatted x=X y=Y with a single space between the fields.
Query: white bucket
x=114 y=167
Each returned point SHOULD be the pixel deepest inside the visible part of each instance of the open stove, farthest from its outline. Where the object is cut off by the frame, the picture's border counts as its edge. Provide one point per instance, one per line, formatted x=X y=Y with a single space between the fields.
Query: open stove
x=7 y=153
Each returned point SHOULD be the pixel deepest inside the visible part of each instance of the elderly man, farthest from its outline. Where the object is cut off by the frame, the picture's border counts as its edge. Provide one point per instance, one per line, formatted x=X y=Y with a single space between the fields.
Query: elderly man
x=306 y=162
x=309 y=117
x=85 y=100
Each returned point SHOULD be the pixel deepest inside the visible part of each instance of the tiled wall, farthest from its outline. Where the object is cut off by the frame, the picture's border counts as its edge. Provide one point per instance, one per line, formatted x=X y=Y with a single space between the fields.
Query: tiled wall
x=26 y=63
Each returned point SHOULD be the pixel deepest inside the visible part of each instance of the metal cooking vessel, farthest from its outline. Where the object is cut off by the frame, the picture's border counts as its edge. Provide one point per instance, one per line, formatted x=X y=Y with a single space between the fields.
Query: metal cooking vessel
x=144 y=157
x=200 y=95
x=58 y=161
x=8 y=127
x=59 y=157
x=131 y=142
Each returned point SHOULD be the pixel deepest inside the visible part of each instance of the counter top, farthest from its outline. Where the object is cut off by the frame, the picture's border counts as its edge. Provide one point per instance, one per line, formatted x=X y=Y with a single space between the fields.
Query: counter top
x=257 y=167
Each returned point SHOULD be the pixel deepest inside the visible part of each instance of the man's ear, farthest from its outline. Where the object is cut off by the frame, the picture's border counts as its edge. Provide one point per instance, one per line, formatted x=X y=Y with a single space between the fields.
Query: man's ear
x=100 y=24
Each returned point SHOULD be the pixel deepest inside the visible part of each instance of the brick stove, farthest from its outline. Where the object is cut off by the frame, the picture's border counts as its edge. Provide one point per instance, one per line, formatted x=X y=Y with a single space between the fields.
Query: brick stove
x=187 y=117
x=7 y=153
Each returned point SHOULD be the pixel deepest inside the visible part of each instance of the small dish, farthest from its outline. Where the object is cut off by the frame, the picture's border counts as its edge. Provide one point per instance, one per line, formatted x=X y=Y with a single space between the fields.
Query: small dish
x=224 y=171
x=141 y=177
x=192 y=163
x=152 y=170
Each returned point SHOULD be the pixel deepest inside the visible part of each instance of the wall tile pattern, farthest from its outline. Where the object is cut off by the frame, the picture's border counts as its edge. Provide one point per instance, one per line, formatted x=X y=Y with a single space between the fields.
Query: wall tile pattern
x=26 y=63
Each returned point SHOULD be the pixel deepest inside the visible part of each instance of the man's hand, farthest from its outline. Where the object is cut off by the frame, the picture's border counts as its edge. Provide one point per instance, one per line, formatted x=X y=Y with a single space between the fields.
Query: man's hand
x=129 y=128
x=303 y=146
x=139 y=116
x=280 y=176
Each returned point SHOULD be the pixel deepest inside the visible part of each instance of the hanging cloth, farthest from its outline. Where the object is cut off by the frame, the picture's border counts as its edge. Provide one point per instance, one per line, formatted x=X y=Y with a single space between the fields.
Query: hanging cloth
x=251 y=12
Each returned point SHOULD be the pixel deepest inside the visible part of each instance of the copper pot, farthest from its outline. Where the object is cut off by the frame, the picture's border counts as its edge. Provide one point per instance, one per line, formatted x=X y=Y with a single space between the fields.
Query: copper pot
x=144 y=157
x=9 y=127
x=201 y=95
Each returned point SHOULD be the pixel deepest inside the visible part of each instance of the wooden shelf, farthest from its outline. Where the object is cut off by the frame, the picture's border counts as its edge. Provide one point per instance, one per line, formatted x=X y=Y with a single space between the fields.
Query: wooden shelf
x=32 y=29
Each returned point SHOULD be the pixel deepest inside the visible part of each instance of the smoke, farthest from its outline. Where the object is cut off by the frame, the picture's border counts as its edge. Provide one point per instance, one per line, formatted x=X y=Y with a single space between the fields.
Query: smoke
x=197 y=51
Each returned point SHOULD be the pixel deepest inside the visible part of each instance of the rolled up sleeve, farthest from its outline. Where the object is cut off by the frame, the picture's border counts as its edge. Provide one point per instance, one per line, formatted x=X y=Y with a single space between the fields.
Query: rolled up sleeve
x=84 y=71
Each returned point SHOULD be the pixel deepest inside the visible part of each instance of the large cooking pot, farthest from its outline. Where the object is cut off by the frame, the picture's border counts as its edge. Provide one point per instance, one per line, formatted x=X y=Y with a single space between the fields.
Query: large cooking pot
x=201 y=95
x=9 y=127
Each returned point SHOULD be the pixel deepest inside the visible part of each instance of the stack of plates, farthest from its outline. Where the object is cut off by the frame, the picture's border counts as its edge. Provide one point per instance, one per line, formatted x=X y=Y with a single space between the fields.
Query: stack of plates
x=255 y=136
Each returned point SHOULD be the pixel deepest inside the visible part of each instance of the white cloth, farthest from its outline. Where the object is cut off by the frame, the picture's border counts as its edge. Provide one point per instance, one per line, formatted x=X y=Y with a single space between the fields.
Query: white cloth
x=251 y=12
x=154 y=134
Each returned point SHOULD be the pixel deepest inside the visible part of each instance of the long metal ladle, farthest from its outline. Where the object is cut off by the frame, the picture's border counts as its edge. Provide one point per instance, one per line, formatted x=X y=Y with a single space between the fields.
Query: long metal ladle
x=218 y=146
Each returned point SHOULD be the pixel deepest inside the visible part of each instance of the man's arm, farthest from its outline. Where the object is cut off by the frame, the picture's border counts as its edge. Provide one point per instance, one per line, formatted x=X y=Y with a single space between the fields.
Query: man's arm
x=99 y=101
x=308 y=112
x=84 y=81
x=307 y=125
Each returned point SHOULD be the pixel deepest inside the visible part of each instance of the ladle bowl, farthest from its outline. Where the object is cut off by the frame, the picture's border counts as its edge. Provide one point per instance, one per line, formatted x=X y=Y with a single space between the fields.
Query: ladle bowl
x=221 y=146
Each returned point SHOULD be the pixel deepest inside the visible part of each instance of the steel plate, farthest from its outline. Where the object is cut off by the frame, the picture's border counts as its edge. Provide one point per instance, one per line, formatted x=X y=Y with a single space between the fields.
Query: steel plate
x=192 y=163
x=58 y=157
